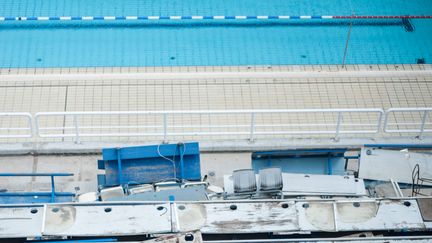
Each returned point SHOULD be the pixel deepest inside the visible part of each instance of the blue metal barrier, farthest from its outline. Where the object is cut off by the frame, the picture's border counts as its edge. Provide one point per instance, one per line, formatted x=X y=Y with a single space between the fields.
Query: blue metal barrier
x=399 y=146
x=305 y=161
x=35 y=197
x=149 y=164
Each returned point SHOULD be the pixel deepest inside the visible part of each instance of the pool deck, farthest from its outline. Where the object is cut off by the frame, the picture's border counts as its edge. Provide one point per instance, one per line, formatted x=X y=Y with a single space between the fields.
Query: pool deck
x=217 y=88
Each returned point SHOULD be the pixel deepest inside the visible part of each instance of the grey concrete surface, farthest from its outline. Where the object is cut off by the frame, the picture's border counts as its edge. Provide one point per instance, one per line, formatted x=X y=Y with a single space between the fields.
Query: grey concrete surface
x=235 y=145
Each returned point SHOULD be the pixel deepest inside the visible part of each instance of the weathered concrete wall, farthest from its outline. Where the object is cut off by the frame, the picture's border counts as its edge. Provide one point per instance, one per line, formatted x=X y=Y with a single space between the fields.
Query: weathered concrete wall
x=84 y=168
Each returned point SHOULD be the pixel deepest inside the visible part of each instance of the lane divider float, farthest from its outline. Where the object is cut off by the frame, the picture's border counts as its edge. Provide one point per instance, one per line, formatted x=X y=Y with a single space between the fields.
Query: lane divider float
x=213 y=17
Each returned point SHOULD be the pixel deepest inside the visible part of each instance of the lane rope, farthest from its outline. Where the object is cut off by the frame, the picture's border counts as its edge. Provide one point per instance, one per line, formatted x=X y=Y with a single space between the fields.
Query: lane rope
x=213 y=17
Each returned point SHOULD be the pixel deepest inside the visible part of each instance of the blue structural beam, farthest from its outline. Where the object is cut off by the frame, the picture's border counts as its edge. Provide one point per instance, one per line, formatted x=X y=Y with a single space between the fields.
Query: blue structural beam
x=399 y=146
x=35 y=174
x=306 y=161
x=149 y=164
x=301 y=152
x=36 y=197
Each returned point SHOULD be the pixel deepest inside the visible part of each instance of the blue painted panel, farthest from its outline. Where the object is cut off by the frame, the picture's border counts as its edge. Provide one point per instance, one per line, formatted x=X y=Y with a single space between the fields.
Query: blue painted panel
x=101 y=179
x=101 y=164
x=302 y=161
x=34 y=197
x=151 y=151
x=144 y=164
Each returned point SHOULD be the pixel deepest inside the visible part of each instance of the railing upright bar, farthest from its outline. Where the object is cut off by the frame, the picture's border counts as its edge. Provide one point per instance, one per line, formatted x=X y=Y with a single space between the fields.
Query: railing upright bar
x=52 y=189
x=379 y=122
x=386 y=118
x=165 y=128
x=30 y=124
x=339 y=121
x=76 y=125
x=422 y=126
x=36 y=125
x=252 y=127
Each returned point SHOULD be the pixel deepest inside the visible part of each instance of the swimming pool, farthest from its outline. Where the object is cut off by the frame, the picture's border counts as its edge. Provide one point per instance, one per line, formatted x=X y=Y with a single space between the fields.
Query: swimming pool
x=209 y=42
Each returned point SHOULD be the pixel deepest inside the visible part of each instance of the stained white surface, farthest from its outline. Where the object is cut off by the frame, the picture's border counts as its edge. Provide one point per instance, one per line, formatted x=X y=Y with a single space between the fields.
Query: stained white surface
x=383 y=164
x=306 y=184
x=247 y=216
x=368 y=215
x=250 y=218
x=79 y=220
x=20 y=221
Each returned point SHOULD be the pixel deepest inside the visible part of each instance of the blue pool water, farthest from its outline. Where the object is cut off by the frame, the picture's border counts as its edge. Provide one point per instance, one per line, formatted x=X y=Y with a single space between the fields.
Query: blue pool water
x=225 y=42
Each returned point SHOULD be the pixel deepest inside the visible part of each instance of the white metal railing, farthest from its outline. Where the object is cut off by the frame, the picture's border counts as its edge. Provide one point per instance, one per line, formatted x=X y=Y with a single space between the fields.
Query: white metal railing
x=249 y=123
x=250 y=128
x=407 y=127
x=16 y=131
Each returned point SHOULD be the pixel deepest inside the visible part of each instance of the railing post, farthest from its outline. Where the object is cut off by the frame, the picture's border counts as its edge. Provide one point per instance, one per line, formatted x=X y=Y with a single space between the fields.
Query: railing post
x=165 y=128
x=52 y=189
x=252 y=127
x=423 y=124
x=30 y=123
x=36 y=128
x=338 y=124
x=379 y=122
x=386 y=115
x=76 y=125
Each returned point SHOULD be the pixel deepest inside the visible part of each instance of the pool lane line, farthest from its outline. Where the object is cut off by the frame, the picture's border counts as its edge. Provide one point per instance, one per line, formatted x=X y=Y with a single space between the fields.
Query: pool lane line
x=213 y=17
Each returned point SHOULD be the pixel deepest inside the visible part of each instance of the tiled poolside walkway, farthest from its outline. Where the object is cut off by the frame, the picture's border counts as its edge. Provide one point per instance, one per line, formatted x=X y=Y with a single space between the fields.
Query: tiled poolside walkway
x=292 y=92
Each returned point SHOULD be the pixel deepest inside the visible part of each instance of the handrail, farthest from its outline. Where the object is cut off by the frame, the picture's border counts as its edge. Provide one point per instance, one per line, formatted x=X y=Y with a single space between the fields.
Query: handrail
x=29 y=127
x=53 y=193
x=34 y=174
x=421 y=125
x=249 y=129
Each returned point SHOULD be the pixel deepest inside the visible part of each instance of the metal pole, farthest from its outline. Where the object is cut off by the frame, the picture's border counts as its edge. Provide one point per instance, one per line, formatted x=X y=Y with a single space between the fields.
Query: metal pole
x=386 y=118
x=422 y=127
x=30 y=123
x=339 y=121
x=252 y=127
x=379 y=122
x=77 y=137
x=165 y=128
x=36 y=129
x=52 y=189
